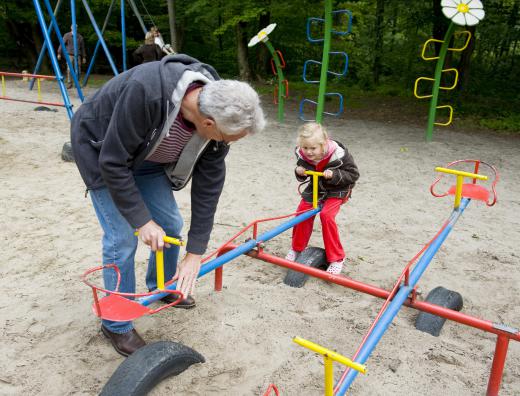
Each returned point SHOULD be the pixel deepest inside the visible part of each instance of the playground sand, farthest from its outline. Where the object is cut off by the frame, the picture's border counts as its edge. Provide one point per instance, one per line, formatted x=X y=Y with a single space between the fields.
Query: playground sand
x=50 y=340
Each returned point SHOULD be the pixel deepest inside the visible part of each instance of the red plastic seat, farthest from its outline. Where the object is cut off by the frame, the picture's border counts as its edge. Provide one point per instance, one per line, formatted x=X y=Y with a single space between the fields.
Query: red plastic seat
x=473 y=191
x=119 y=309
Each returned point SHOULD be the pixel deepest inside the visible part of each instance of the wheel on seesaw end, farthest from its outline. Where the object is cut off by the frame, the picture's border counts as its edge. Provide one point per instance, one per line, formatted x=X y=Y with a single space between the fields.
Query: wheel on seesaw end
x=149 y=365
x=66 y=152
x=430 y=323
x=311 y=257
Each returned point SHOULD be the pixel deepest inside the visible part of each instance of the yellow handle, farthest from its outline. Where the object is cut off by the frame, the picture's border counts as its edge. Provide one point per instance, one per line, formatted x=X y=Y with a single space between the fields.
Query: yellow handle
x=315 y=176
x=460 y=178
x=159 y=259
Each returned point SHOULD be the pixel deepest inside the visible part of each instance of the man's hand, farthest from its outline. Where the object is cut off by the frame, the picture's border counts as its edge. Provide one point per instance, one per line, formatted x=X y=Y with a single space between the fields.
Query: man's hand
x=300 y=171
x=59 y=57
x=153 y=235
x=327 y=174
x=187 y=272
x=84 y=60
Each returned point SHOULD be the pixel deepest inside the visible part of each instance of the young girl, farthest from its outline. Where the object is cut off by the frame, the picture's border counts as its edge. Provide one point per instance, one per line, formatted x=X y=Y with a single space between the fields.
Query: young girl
x=316 y=152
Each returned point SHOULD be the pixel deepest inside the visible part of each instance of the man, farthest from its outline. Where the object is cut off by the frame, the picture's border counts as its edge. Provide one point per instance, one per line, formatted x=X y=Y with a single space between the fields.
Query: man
x=68 y=40
x=148 y=131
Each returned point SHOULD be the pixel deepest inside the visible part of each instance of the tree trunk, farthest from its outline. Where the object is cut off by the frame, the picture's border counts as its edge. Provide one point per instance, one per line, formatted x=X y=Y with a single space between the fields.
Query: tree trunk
x=171 y=20
x=263 y=57
x=243 y=64
x=465 y=61
x=439 y=24
x=378 y=50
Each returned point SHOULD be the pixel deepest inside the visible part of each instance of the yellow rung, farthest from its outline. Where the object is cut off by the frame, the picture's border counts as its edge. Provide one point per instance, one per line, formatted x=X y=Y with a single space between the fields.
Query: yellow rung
x=461 y=173
x=39 y=90
x=456 y=80
x=425 y=45
x=450 y=118
x=315 y=176
x=468 y=33
x=3 y=85
x=416 y=86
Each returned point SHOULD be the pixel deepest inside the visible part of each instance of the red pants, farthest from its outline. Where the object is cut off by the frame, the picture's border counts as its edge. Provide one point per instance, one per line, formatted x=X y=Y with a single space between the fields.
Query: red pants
x=302 y=232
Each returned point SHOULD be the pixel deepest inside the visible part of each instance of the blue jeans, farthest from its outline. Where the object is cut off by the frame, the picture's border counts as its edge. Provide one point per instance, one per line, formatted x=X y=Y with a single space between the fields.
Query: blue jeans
x=119 y=241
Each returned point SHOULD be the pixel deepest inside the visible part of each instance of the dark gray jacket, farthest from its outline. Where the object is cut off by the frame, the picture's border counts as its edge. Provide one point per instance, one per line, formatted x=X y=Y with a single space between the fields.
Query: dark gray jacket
x=120 y=125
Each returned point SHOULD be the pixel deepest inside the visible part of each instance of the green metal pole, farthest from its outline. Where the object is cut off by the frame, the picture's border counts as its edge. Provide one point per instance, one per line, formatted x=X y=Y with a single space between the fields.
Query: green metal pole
x=324 y=60
x=281 y=88
x=437 y=82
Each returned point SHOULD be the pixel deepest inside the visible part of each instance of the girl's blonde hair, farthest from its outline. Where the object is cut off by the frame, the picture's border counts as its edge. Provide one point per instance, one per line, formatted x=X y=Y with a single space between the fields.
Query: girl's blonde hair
x=311 y=130
x=148 y=38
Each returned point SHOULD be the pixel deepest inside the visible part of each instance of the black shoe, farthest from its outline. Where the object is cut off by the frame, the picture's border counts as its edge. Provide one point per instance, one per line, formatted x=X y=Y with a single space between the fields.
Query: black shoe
x=126 y=343
x=187 y=303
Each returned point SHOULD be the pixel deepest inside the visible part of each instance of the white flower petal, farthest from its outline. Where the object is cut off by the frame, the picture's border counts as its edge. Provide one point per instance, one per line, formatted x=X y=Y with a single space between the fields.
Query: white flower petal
x=254 y=41
x=270 y=28
x=475 y=4
x=479 y=14
x=449 y=12
x=459 y=19
x=471 y=20
x=457 y=2
x=448 y=3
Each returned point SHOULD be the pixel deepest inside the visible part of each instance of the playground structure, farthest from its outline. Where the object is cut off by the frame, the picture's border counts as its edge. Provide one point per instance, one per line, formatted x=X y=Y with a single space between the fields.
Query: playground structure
x=324 y=64
x=403 y=292
x=24 y=76
x=281 y=91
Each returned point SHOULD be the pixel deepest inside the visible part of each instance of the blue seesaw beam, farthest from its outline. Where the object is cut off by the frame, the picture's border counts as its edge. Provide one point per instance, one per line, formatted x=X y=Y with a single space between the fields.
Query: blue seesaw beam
x=404 y=292
x=242 y=249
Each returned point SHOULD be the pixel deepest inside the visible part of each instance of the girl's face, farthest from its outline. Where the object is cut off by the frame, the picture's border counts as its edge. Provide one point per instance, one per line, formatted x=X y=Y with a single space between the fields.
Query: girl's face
x=313 y=148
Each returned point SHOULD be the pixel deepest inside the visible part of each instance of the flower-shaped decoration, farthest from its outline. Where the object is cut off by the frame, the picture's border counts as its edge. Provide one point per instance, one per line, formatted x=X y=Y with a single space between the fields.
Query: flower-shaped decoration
x=262 y=35
x=463 y=12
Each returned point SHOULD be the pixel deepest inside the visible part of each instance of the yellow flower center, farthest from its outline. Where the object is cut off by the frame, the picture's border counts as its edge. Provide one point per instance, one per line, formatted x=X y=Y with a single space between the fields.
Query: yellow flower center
x=262 y=34
x=462 y=8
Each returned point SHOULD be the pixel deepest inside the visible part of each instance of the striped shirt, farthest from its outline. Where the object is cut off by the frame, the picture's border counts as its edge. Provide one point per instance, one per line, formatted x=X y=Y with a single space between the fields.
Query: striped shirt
x=181 y=131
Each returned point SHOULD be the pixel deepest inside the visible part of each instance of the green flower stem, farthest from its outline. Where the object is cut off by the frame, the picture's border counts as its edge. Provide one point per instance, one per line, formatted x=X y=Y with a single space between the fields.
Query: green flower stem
x=281 y=87
x=437 y=82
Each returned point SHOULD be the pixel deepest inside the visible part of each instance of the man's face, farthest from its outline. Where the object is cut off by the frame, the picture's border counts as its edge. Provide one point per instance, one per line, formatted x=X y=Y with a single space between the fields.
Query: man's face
x=209 y=130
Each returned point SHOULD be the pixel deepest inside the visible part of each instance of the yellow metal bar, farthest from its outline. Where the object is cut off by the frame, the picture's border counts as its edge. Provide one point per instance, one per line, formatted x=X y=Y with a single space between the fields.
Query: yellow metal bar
x=450 y=118
x=3 y=85
x=466 y=32
x=456 y=80
x=458 y=191
x=159 y=265
x=315 y=176
x=425 y=45
x=39 y=90
x=461 y=173
x=167 y=239
x=416 y=86
x=331 y=354
x=329 y=376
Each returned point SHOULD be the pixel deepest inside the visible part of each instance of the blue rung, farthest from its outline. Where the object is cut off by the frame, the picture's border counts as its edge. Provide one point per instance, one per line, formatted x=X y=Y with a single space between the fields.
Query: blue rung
x=345 y=69
x=339 y=112
x=309 y=22
x=349 y=26
x=305 y=71
x=340 y=96
x=302 y=104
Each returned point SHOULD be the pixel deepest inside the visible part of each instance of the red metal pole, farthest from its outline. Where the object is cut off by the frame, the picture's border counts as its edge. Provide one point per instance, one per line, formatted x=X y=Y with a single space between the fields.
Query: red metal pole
x=497 y=368
x=424 y=306
x=218 y=278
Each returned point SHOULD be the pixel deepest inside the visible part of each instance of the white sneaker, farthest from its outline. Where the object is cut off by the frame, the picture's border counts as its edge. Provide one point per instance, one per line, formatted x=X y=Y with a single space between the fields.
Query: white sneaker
x=291 y=255
x=335 y=267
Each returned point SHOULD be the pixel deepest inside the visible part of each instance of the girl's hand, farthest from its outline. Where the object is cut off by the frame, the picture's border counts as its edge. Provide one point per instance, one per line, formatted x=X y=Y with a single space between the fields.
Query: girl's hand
x=300 y=171
x=327 y=174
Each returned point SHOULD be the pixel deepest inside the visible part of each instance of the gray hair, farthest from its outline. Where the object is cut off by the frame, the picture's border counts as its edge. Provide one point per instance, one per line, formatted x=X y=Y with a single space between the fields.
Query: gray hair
x=233 y=105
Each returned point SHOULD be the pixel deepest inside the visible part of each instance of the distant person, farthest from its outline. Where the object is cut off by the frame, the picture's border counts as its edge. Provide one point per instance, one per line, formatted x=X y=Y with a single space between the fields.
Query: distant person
x=68 y=40
x=166 y=48
x=149 y=51
x=316 y=152
x=146 y=132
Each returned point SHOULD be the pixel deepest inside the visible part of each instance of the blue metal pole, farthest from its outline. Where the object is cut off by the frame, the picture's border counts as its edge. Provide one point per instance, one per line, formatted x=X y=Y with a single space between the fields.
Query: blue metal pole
x=60 y=39
x=54 y=60
x=94 y=55
x=239 y=250
x=393 y=308
x=74 y=34
x=123 y=33
x=100 y=37
x=44 y=47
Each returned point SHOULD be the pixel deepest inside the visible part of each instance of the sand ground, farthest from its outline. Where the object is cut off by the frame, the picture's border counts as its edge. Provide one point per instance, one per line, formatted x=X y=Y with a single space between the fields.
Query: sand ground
x=50 y=340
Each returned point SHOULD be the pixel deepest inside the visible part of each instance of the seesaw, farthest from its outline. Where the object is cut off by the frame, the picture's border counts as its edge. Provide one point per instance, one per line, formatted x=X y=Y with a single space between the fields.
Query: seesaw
x=403 y=293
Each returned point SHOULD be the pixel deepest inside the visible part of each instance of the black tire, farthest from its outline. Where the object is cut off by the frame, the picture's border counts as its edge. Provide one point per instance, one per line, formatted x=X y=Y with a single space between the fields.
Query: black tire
x=312 y=257
x=148 y=366
x=66 y=153
x=432 y=324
